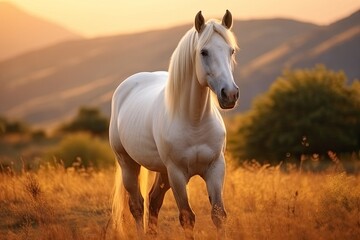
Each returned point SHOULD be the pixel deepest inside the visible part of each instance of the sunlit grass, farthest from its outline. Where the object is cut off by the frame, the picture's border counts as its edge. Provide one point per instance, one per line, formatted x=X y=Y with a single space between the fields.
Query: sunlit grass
x=55 y=203
x=262 y=203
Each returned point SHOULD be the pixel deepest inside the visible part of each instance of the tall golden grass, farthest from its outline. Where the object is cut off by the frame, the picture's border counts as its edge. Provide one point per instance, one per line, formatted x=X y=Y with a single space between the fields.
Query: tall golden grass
x=262 y=203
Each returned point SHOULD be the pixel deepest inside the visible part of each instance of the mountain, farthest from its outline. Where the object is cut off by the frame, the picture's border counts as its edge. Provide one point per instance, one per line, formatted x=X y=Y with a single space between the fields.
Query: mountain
x=48 y=85
x=22 y=32
x=336 y=45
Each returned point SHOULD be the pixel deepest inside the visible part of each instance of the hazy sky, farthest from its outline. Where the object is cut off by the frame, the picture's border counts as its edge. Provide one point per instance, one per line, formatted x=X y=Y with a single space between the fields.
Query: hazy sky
x=105 y=17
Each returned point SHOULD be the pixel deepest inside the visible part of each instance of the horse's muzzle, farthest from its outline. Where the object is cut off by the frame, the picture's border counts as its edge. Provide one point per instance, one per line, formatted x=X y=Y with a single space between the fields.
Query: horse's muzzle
x=228 y=97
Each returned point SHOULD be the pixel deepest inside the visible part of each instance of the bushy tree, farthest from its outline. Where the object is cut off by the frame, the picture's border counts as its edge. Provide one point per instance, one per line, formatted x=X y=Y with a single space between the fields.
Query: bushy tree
x=83 y=150
x=305 y=112
x=12 y=126
x=88 y=119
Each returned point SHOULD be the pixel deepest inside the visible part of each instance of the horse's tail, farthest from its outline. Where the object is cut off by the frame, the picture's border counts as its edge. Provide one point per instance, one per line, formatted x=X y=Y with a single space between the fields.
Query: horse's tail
x=120 y=206
x=146 y=179
x=144 y=188
x=120 y=203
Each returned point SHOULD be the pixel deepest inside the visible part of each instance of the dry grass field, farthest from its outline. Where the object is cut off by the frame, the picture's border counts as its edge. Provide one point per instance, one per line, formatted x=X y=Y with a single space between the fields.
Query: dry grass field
x=262 y=203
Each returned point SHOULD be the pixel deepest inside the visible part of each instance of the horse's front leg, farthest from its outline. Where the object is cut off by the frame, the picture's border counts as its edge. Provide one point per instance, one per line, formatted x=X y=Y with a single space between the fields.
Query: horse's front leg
x=214 y=178
x=178 y=181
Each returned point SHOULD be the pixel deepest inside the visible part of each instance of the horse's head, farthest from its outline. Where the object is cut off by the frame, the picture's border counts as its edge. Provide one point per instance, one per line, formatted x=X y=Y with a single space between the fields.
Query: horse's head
x=215 y=57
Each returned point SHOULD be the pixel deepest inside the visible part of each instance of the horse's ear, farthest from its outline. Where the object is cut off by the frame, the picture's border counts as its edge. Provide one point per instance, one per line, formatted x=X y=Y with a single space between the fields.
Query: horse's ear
x=199 y=22
x=227 y=20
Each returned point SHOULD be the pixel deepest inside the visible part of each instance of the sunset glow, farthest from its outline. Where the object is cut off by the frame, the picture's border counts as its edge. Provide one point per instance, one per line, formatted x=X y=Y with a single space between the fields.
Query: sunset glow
x=94 y=18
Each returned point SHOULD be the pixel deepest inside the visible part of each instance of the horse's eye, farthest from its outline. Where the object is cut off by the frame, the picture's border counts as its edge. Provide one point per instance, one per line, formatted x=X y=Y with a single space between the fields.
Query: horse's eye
x=232 y=51
x=204 y=53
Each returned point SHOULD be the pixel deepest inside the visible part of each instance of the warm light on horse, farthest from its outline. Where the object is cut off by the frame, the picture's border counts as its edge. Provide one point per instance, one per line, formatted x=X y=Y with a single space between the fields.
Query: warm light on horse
x=167 y=122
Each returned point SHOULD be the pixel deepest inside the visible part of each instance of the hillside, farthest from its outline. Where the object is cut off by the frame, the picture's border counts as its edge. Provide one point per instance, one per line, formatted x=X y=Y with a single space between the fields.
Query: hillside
x=75 y=73
x=21 y=32
x=71 y=74
x=337 y=46
x=50 y=84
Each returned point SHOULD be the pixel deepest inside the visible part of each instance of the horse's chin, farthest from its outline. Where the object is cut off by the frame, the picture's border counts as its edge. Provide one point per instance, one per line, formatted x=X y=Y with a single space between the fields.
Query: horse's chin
x=227 y=105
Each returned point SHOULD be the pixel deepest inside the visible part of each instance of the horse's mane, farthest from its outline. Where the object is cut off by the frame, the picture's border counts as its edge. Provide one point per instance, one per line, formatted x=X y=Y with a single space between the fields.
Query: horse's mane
x=182 y=60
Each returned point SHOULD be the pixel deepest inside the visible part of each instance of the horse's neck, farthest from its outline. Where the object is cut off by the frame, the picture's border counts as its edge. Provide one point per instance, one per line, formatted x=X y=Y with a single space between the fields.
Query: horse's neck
x=195 y=101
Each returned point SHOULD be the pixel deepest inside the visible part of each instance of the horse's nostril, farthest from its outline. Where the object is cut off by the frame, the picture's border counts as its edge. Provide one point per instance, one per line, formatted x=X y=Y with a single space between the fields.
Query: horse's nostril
x=223 y=94
x=237 y=94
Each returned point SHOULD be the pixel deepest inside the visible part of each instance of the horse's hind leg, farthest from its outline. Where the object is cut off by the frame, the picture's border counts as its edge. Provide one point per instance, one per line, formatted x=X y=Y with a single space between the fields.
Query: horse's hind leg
x=157 y=194
x=130 y=173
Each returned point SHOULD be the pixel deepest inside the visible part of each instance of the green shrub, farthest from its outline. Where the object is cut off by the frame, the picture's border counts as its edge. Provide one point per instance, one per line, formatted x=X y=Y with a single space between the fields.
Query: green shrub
x=13 y=126
x=306 y=111
x=88 y=119
x=83 y=150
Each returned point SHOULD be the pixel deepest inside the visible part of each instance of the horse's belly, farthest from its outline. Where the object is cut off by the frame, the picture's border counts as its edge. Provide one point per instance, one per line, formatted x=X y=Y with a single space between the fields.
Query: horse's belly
x=144 y=152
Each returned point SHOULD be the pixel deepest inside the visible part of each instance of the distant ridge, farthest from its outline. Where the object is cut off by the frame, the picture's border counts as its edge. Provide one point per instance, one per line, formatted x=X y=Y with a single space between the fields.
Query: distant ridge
x=336 y=45
x=21 y=32
x=48 y=85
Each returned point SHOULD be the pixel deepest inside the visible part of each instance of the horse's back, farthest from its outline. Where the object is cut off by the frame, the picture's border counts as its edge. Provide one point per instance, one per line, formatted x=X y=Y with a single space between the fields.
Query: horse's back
x=133 y=106
x=138 y=89
x=140 y=83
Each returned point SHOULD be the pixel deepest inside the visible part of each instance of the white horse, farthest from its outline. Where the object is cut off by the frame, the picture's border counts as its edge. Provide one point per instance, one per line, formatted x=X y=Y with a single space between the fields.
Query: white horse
x=168 y=123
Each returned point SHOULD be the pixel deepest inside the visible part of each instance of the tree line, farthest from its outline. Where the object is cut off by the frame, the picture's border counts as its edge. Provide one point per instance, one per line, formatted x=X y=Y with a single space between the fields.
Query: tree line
x=305 y=112
x=87 y=119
